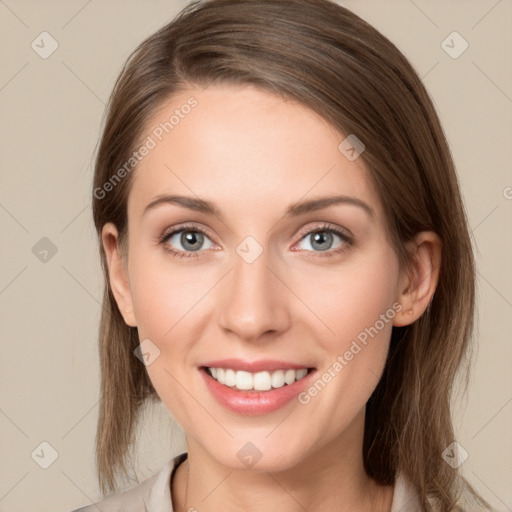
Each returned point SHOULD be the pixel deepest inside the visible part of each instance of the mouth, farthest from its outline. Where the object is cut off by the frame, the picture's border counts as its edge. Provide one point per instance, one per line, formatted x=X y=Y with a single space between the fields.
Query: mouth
x=255 y=388
x=256 y=381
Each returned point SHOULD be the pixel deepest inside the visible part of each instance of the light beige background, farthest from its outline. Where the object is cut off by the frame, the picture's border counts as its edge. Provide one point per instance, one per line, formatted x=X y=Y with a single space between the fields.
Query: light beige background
x=51 y=111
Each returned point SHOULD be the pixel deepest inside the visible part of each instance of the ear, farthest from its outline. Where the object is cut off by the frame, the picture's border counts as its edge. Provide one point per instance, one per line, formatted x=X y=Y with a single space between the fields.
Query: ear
x=118 y=273
x=418 y=283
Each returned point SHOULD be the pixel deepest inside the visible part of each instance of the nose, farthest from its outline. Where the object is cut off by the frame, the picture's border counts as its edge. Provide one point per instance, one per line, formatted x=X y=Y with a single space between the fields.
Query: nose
x=254 y=301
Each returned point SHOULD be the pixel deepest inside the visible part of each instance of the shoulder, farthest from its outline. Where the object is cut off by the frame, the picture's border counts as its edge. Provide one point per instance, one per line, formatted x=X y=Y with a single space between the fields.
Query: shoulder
x=151 y=495
x=405 y=497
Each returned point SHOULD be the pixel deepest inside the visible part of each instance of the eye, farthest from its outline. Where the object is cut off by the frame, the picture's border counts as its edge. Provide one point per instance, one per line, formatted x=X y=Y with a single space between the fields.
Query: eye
x=184 y=241
x=322 y=239
x=180 y=242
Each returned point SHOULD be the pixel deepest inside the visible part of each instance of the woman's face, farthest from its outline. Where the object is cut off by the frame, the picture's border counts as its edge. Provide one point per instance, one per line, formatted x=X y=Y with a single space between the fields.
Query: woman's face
x=273 y=280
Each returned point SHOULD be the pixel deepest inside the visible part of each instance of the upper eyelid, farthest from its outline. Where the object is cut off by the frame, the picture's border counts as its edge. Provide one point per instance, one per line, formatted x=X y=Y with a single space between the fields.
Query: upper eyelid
x=326 y=226
x=167 y=233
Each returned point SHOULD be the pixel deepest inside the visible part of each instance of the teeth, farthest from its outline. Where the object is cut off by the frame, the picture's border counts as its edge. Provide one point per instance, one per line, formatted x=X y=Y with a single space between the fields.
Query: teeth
x=289 y=376
x=244 y=380
x=229 y=377
x=301 y=373
x=260 y=381
x=277 y=379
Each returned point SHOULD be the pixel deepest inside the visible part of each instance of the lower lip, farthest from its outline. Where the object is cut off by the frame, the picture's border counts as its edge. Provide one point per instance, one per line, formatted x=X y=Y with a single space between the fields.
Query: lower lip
x=252 y=403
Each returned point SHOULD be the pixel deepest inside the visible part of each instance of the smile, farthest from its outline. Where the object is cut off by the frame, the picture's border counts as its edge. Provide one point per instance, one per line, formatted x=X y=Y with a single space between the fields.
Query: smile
x=258 y=381
x=256 y=387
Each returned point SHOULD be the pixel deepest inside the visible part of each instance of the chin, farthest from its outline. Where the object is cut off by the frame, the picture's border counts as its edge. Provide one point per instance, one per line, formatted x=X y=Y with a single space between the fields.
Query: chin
x=257 y=453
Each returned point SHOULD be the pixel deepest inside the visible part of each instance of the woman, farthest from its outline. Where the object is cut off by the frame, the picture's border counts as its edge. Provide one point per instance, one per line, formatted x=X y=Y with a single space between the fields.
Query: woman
x=287 y=265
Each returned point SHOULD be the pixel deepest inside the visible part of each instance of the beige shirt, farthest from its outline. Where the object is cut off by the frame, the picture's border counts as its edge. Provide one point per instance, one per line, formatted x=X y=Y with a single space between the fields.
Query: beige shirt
x=154 y=494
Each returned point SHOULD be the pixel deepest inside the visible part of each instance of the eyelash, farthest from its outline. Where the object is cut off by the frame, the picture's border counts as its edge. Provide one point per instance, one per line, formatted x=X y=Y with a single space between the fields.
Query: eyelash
x=348 y=242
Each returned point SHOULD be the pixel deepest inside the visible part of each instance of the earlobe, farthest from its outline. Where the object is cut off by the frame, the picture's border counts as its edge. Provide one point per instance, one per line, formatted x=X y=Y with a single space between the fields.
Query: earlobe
x=418 y=283
x=118 y=273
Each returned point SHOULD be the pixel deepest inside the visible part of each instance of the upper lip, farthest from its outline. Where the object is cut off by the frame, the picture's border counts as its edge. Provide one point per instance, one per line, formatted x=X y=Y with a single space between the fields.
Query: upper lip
x=255 y=366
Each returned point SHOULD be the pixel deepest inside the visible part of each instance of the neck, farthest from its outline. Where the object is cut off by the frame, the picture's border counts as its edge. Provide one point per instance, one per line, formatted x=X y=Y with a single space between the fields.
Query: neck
x=329 y=478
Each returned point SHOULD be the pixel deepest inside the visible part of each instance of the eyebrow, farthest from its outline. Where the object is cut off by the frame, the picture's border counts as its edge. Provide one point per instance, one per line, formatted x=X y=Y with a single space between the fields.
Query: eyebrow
x=299 y=208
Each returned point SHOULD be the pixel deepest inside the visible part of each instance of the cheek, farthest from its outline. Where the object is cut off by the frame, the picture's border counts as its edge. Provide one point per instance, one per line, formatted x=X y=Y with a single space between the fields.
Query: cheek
x=353 y=298
x=164 y=294
x=167 y=304
x=356 y=304
x=361 y=316
x=346 y=299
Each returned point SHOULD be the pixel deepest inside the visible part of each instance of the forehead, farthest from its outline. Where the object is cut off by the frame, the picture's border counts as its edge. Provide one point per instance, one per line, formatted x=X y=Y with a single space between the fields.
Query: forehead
x=244 y=147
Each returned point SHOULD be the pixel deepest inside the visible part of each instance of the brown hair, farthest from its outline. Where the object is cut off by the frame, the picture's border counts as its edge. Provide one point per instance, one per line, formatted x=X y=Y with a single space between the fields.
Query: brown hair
x=324 y=56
